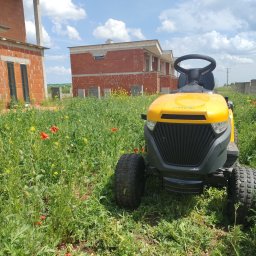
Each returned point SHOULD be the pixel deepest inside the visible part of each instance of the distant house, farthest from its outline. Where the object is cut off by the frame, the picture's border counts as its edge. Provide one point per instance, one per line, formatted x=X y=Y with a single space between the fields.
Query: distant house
x=137 y=67
x=21 y=63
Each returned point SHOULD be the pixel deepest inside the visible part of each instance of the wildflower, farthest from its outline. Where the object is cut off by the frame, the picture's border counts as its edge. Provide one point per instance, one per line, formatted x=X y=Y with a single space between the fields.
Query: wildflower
x=54 y=129
x=136 y=150
x=68 y=254
x=114 y=129
x=32 y=128
x=38 y=223
x=44 y=136
x=42 y=217
x=142 y=150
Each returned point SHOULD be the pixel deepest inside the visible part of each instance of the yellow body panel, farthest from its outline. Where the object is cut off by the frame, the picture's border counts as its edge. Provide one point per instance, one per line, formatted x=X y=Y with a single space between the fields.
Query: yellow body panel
x=212 y=106
x=231 y=118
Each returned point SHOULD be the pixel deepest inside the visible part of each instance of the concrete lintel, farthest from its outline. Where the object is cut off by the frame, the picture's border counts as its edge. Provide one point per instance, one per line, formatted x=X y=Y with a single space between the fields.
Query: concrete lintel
x=14 y=59
x=111 y=74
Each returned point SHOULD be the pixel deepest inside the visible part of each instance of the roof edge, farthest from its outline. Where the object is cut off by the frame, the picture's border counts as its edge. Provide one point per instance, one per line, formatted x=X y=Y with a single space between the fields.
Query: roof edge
x=116 y=43
x=4 y=39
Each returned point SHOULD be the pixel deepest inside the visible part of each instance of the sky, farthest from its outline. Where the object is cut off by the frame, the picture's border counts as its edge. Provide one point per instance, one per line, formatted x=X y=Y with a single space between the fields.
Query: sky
x=224 y=30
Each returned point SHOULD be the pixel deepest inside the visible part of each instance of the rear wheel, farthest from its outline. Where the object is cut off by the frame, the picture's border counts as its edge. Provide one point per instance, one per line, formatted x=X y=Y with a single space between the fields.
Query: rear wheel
x=129 y=180
x=241 y=194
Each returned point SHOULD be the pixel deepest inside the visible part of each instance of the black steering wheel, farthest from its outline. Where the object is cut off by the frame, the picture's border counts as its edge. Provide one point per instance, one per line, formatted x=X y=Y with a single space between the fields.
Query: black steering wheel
x=195 y=73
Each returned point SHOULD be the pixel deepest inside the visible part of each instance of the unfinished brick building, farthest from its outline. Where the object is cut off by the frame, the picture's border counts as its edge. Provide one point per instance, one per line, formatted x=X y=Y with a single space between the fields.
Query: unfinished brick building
x=21 y=64
x=137 y=67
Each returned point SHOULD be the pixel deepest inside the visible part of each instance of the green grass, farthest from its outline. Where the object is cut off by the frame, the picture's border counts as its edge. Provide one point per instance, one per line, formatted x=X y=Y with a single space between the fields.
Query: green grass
x=56 y=194
x=65 y=88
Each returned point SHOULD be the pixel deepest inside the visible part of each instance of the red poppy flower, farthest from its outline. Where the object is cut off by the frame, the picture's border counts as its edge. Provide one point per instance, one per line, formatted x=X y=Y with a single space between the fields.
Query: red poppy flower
x=114 y=129
x=136 y=150
x=44 y=136
x=68 y=254
x=54 y=129
x=42 y=217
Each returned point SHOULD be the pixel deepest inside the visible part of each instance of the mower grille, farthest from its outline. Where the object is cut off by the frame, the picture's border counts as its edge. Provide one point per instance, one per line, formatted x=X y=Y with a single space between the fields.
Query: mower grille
x=183 y=144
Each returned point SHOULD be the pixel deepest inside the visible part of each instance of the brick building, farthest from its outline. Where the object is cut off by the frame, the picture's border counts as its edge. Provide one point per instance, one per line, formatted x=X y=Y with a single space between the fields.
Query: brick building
x=21 y=63
x=134 y=66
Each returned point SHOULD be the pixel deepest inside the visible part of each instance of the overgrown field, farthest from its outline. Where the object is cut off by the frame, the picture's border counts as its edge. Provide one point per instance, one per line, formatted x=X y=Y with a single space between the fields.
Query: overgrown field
x=56 y=177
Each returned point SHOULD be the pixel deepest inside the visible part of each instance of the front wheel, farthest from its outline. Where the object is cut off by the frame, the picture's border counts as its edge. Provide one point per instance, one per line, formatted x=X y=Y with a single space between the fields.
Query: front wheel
x=241 y=194
x=129 y=180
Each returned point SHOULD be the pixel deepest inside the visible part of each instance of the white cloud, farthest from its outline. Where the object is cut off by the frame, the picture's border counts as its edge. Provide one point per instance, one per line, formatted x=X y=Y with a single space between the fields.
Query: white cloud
x=31 y=34
x=58 y=70
x=231 y=59
x=167 y=26
x=136 y=33
x=67 y=30
x=197 y=16
x=72 y=33
x=60 y=12
x=213 y=43
x=117 y=30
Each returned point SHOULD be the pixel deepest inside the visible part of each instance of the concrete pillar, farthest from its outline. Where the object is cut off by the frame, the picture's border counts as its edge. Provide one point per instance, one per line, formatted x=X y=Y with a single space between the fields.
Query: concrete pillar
x=158 y=65
x=164 y=68
x=38 y=24
x=39 y=38
x=150 y=62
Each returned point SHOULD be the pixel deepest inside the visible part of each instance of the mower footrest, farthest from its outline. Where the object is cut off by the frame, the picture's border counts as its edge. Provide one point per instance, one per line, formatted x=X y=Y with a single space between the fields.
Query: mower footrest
x=183 y=186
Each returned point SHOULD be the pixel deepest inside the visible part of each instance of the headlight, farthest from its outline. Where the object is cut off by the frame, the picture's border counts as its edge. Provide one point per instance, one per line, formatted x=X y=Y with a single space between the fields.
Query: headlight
x=151 y=125
x=220 y=127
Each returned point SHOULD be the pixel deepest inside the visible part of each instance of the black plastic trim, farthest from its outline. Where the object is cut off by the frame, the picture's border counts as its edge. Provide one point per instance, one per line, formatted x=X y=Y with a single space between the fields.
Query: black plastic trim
x=183 y=117
x=214 y=159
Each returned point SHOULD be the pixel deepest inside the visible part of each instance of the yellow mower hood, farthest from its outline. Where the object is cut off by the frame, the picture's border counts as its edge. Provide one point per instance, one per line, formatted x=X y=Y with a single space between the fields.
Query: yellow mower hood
x=189 y=108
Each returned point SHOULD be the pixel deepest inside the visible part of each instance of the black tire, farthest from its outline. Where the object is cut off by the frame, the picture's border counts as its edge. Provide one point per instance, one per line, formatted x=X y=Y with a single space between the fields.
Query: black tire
x=129 y=181
x=241 y=194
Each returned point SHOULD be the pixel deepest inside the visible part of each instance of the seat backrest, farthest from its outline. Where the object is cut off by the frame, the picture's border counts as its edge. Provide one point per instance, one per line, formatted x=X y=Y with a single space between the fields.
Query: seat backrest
x=206 y=80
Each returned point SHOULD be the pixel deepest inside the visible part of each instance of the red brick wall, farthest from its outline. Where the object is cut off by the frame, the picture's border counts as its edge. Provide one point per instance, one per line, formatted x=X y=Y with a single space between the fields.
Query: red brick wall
x=12 y=16
x=113 y=62
x=148 y=80
x=34 y=69
x=167 y=81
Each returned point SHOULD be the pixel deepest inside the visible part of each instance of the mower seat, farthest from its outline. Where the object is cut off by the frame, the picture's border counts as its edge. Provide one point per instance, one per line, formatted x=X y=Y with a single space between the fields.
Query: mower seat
x=206 y=80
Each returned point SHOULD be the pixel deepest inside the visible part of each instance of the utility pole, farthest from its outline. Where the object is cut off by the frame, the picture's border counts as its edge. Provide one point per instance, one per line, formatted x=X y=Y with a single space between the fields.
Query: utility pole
x=227 y=75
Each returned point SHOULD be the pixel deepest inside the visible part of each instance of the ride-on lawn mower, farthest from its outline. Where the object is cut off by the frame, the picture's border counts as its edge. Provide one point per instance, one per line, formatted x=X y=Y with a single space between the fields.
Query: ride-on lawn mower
x=191 y=143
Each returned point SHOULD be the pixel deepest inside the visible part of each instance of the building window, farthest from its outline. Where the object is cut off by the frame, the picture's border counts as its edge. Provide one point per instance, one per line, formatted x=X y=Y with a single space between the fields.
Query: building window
x=25 y=87
x=136 y=90
x=12 y=82
x=99 y=57
x=146 y=64
x=107 y=92
x=94 y=91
